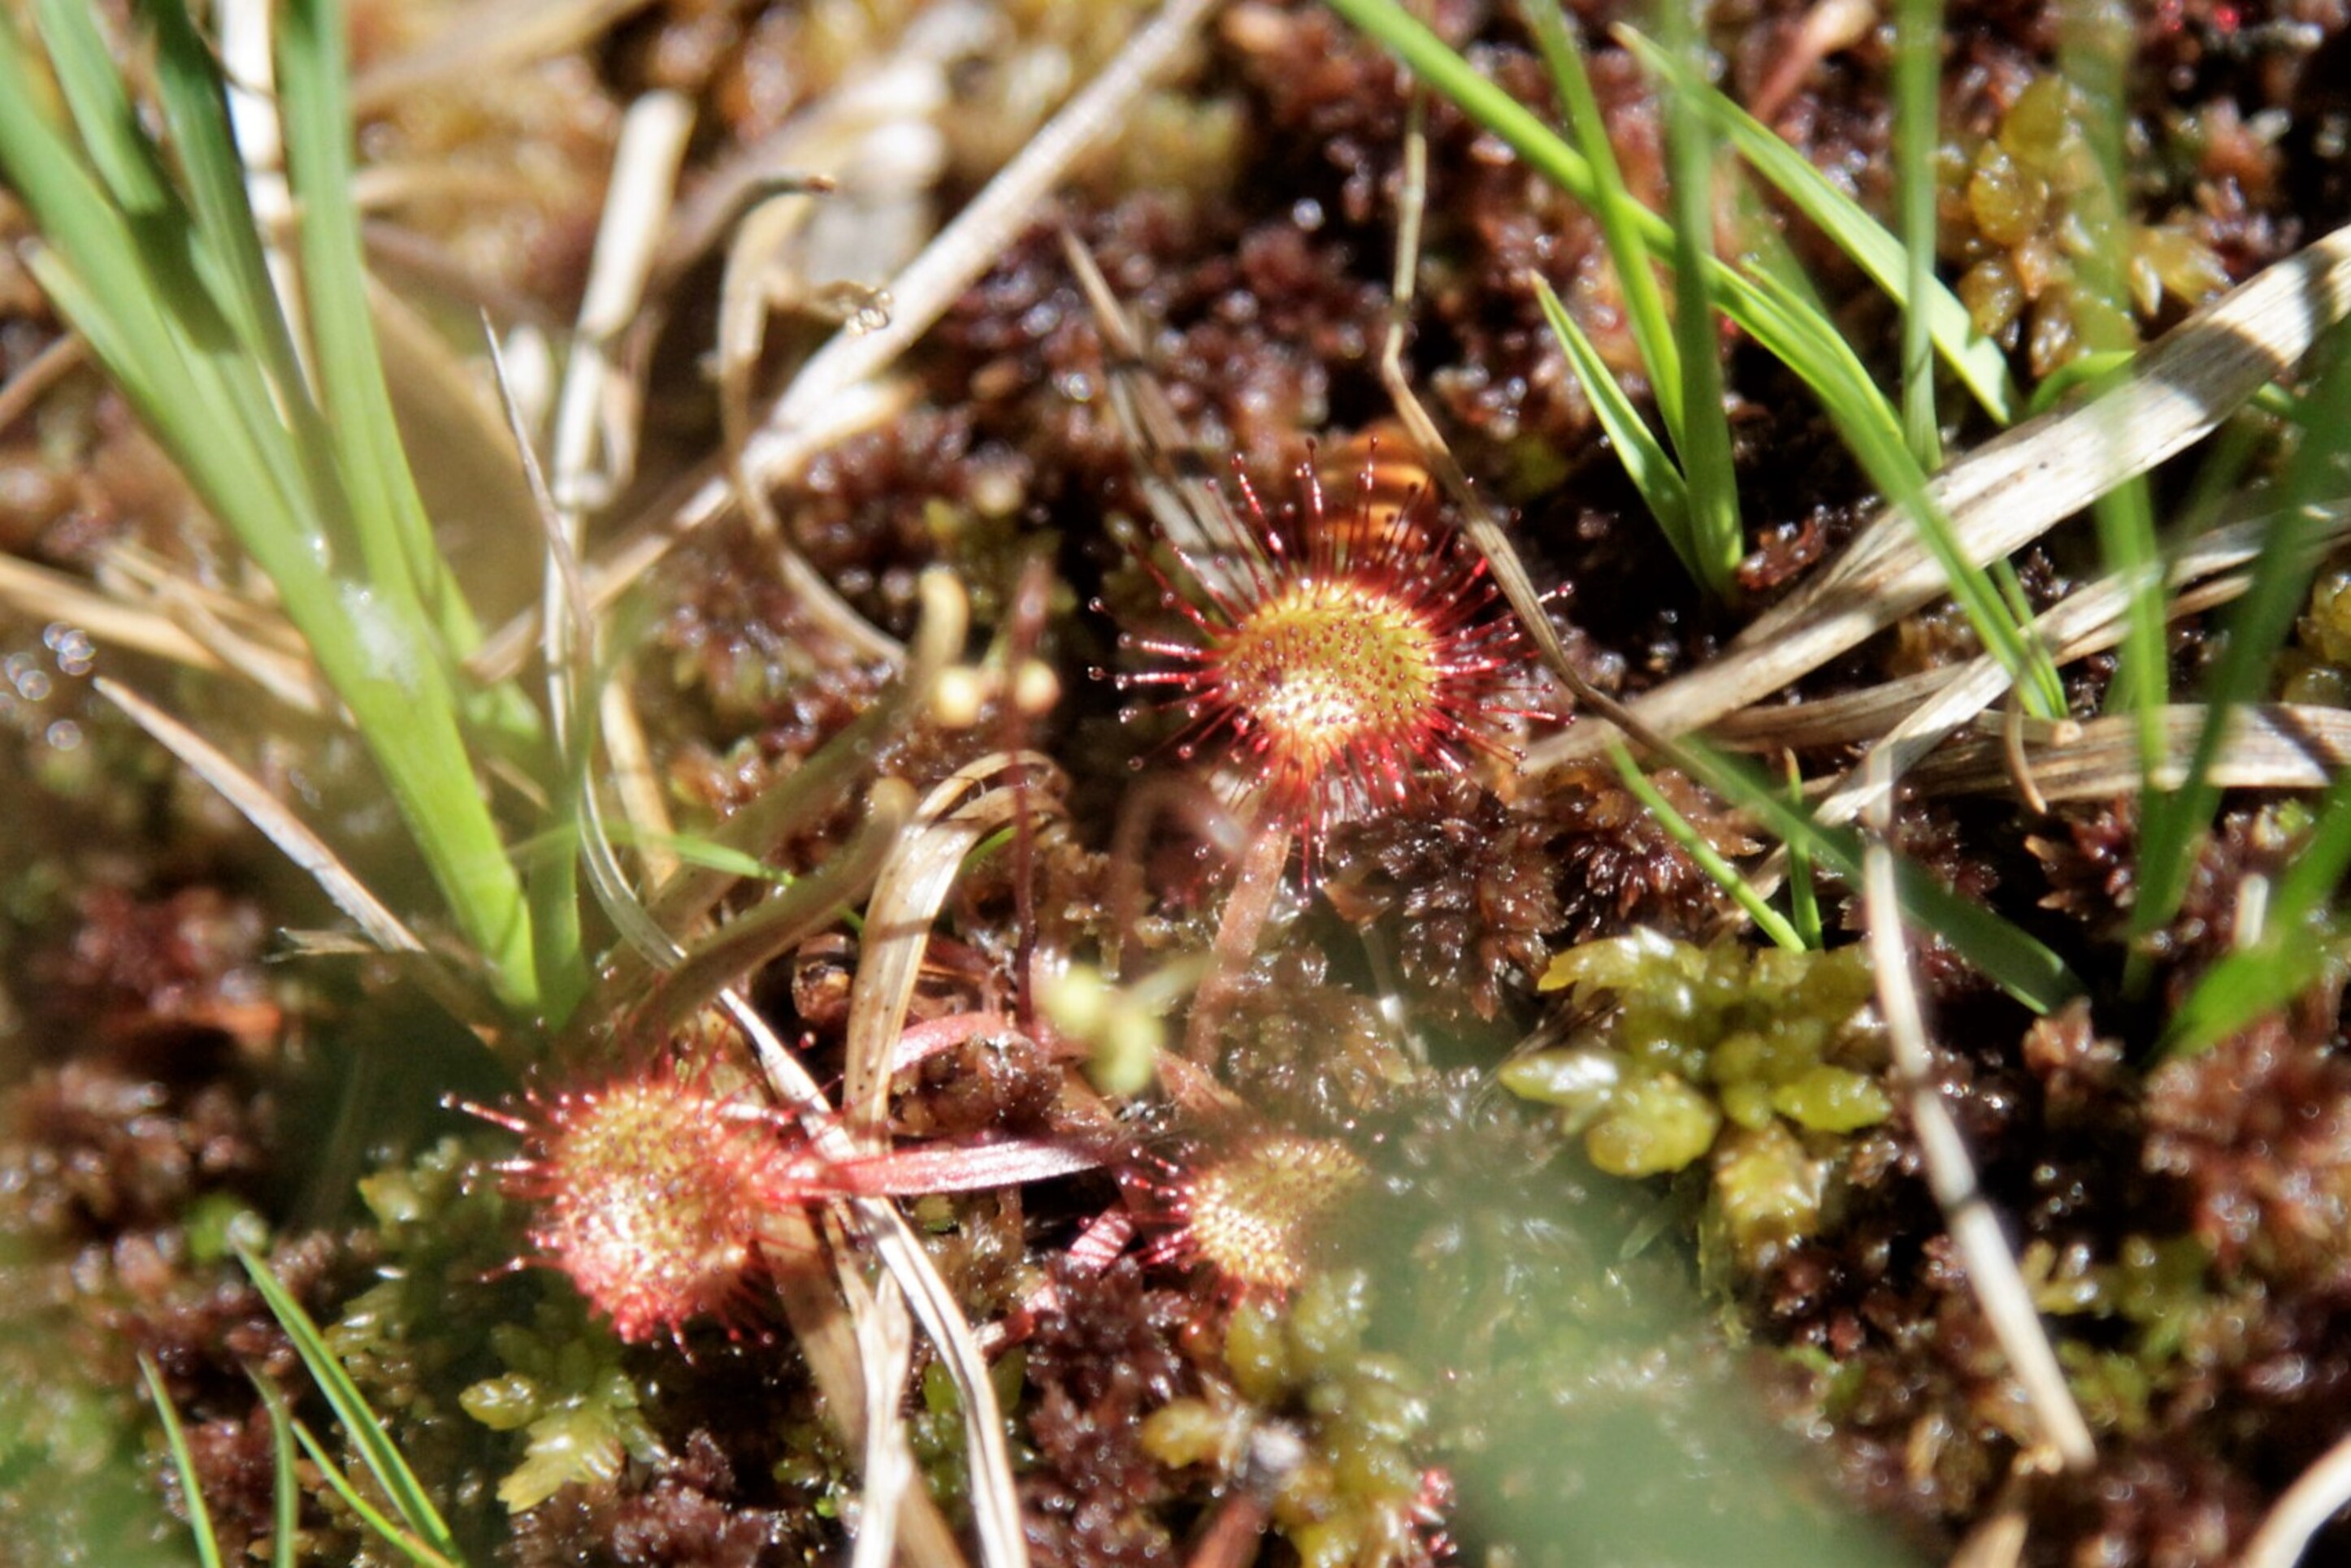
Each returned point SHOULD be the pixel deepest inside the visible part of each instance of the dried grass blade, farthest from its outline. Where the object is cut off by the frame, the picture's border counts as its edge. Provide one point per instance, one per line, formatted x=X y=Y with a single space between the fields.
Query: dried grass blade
x=995 y=1502
x=2010 y=490
x=52 y=595
x=294 y=682
x=650 y=150
x=921 y=291
x=1191 y=509
x=2318 y=1495
x=702 y=496
x=886 y=1345
x=645 y=164
x=267 y=812
x=2087 y=621
x=815 y=1305
x=1991 y=1267
x=2264 y=746
x=254 y=610
x=743 y=305
x=44 y=370
x=499 y=35
x=995 y=1505
x=643 y=803
x=855 y=132
x=2084 y=623
x=907 y=897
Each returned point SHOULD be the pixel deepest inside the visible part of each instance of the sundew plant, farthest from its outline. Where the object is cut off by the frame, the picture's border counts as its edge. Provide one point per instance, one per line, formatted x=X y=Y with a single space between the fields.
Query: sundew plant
x=1336 y=782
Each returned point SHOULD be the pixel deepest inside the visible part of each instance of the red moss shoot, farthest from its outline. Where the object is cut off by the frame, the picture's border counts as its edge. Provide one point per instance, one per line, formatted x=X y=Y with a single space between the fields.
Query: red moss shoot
x=1351 y=655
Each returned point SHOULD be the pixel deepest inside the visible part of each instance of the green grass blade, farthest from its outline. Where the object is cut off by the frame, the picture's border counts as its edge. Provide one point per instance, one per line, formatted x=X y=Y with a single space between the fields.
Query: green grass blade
x=1975 y=359
x=387 y=1531
x=2301 y=939
x=286 y=1493
x=193 y=277
x=1721 y=872
x=395 y=535
x=2093 y=59
x=202 y=259
x=156 y=330
x=160 y=335
x=2096 y=372
x=1794 y=330
x=377 y=1450
x=2016 y=962
x=1803 y=898
x=92 y=84
x=82 y=226
x=559 y=945
x=1704 y=436
x=1645 y=460
x=200 y=1519
x=1917 y=96
x=190 y=400
x=2255 y=627
x=400 y=700
x=1614 y=209
x=189 y=82
x=2125 y=517
x=692 y=849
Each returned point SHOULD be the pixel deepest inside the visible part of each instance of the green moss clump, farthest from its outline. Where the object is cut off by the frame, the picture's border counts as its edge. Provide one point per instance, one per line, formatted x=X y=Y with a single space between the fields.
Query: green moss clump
x=1763 y=1060
x=418 y=1337
x=1348 y=1493
x=455 y=1345
x=935 y=1432
x=2317 y=667
x=565 y=1388
x=1654 y=1123
x=2018 y=217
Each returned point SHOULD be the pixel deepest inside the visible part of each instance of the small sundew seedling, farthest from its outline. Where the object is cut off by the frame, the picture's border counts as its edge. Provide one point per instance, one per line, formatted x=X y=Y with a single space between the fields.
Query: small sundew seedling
x=1354 y=653
x=1257 y=1209
x=651 y=1189
x=648 y=1191
x=1256 y=1213
x=1335 y=659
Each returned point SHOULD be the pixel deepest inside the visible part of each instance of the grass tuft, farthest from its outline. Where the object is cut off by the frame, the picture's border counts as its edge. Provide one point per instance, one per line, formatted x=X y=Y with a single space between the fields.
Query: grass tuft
x=165 y=281
x=1696 y=503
